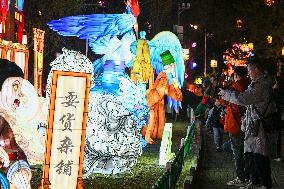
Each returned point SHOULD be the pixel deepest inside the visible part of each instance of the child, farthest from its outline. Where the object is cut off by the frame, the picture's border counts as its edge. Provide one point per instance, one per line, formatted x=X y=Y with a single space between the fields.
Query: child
x=213 y=121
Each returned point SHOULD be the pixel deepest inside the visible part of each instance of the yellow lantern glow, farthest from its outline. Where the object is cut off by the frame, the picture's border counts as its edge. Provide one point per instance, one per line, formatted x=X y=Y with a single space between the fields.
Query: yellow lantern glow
x=213 y=63
x=269 y=39
x=250 y=45
x=239 y=23
x=186 y=54
x=269 y=2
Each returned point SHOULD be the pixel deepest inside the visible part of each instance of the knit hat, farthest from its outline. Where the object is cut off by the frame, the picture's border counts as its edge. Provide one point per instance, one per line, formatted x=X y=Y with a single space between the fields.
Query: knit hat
x=9 y=69
x=167 y=58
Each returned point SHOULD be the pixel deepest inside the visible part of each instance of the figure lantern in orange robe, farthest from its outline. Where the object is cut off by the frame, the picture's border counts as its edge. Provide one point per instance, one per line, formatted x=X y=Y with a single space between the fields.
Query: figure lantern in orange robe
x=155 y=99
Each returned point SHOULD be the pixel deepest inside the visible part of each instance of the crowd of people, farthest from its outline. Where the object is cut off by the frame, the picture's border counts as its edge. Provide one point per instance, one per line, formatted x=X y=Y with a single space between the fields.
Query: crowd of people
x=248 y=107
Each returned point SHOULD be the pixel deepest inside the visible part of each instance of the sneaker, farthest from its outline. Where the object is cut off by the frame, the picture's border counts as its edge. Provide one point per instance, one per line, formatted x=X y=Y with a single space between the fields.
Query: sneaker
x=251 y=186
x=277 y=159
x=236 y=182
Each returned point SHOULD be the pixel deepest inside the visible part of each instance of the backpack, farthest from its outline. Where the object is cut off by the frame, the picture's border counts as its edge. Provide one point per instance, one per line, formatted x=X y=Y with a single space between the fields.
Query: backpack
x=271 y=122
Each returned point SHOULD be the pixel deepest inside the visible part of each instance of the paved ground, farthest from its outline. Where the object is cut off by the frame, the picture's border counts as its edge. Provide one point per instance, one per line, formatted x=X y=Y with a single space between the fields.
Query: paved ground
x=217 y=168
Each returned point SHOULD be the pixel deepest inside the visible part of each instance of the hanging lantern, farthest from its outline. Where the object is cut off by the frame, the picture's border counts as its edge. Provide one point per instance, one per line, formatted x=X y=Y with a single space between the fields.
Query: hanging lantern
x=213 y=63
x=239 y=23
x=269 y=39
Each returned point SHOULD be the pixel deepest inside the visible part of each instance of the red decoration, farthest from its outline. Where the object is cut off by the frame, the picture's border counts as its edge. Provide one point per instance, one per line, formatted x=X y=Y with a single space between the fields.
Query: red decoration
x=12 y=156
x=134 y=5
x=3 y=12
x=20 y=25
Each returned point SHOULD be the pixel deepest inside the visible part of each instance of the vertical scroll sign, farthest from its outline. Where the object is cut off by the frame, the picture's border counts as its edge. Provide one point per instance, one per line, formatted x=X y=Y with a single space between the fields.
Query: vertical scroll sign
x=66 y=131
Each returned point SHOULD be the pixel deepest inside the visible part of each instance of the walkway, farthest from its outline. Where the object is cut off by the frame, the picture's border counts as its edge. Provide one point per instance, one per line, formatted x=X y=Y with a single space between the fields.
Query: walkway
x=217 y=168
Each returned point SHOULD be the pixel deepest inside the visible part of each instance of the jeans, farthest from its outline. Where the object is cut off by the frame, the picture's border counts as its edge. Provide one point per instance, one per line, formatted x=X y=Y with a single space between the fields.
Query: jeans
x=218 y=136
x=237 y=145
x=279 y=143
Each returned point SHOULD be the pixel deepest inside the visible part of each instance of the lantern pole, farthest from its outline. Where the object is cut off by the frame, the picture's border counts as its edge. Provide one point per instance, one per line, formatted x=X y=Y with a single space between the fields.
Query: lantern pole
x=38 y=59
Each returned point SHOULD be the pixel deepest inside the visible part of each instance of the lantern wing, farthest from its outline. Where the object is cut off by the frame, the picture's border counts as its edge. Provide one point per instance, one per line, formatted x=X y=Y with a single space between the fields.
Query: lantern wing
x=99 y=29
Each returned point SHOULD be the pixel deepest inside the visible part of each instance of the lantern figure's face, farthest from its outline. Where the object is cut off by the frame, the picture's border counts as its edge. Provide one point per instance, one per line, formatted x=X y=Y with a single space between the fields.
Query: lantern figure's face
x=170 y=69
x=11 y=93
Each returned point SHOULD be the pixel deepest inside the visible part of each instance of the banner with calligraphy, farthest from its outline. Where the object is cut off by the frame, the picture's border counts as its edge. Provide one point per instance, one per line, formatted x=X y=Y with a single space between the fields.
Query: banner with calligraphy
x=66 y=130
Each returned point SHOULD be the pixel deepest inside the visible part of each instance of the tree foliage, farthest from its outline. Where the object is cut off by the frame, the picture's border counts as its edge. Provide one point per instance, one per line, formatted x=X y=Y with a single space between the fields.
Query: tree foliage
x=258 y=21
x=39 y=13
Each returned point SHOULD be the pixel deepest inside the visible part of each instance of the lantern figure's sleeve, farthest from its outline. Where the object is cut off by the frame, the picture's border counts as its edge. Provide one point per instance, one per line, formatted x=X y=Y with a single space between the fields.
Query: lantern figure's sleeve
x=174 y=93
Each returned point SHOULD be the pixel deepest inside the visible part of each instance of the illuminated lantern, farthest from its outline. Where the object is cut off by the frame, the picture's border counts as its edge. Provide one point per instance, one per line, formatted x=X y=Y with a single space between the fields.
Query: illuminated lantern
x=185 y=54
x=166 y=145
x=25 y=39
x=142 y=69
x=239 y=23
x=213 y=63
x=282 y=51
x=269 y=2
x=67 y=120
x=38 y=59
x=21 y=176
x=107 y=141
x=198 y=80
x=250 y=45
x=17 y=53
x=269 y=39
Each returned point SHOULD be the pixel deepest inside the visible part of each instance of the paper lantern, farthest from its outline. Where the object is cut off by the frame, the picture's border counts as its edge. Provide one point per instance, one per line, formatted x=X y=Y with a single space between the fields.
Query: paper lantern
x=269 y=39
x=213 y=63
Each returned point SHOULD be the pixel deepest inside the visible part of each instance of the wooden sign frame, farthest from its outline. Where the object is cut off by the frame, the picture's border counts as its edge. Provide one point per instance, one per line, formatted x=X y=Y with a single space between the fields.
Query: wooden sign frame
x=45 y=182
x=38 y=49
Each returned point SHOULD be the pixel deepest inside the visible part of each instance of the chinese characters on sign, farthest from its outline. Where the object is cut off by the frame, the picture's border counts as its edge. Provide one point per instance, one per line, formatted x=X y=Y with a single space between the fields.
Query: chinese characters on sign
x=66 y=130
x=71 y=100
x=66 y=144
x=66 y=167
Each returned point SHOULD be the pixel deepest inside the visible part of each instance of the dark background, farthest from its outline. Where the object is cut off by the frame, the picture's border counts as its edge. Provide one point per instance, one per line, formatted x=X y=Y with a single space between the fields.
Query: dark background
x=217 y=17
